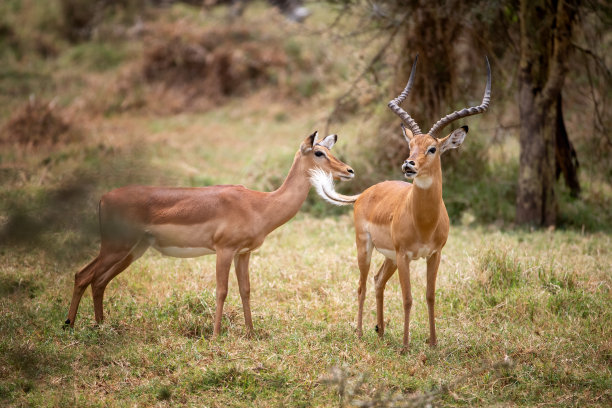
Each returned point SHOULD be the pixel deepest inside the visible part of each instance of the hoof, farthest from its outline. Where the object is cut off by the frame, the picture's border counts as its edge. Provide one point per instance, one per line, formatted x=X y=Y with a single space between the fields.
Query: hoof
x=376 y=329
x=404 y=350
x=66 y=324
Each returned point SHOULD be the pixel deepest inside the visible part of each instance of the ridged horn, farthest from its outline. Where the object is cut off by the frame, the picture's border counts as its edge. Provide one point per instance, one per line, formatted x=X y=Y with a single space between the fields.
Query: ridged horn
x=394 y=104
x=467 y=111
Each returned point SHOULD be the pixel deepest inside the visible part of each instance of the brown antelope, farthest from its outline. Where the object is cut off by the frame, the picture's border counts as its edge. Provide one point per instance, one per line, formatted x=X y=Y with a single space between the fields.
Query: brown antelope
x=230 y=221
x=404 y=221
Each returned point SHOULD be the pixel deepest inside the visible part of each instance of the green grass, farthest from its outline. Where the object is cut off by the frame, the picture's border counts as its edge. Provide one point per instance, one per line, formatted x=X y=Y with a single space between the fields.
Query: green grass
x=543 y=299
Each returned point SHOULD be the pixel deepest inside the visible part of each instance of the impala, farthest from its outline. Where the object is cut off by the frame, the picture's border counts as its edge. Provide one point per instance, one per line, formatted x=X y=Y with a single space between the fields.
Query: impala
x=404 y=221
x=230 y=221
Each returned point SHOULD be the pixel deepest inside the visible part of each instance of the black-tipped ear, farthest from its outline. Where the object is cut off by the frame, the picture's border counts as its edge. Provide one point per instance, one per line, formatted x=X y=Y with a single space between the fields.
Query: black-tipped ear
x=328 y=141
x=313 y=137
x=308 y=143
x=454 y=139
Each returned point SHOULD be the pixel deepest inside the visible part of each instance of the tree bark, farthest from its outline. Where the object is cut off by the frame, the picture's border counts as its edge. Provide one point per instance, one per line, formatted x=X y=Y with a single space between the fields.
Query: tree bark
x=565 y=154
x=430 y=31
x=545 y=27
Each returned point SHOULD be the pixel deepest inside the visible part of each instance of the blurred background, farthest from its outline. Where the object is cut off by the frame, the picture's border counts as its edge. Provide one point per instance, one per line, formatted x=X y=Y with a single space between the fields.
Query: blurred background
x=96 y=94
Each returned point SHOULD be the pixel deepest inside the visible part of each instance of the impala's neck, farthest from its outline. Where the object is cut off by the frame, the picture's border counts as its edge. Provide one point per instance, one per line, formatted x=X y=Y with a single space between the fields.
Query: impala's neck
x=426 y=199
x=282 y=205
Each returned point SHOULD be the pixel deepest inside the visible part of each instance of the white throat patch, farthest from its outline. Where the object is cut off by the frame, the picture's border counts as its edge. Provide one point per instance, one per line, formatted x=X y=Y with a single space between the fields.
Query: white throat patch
x=423 y=182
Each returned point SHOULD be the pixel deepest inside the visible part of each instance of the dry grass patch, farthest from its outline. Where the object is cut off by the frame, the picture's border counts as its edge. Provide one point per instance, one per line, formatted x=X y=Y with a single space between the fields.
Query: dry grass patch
x=40 y=123
x=210 y=63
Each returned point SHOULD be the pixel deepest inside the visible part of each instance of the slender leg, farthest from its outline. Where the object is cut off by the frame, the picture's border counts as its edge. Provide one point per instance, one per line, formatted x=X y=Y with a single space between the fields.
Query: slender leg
x=432 y=272
x=387 y=269
x=111 y=266
x=82 y=279
x=224 y=262
x=241 y=263
x=403 y=266
x=364 y=256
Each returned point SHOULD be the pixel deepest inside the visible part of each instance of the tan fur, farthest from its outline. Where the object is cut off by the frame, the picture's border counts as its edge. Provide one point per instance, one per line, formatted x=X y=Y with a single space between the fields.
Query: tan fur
x=230 y=221
x=404 y=222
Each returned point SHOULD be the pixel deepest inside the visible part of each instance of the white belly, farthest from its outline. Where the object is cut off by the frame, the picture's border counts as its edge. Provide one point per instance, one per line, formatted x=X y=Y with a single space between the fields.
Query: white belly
x=388 y=253
x=184 y=252
x=423 y=252
x=190 y=252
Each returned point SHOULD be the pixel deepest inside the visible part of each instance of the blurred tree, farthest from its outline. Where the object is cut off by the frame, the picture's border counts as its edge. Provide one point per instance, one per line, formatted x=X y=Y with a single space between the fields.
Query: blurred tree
x=430 y=30
x=533 y=36
x=546 y=33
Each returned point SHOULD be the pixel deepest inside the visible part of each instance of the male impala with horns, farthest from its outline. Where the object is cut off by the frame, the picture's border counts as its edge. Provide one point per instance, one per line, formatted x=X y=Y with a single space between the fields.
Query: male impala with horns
x=405 y=221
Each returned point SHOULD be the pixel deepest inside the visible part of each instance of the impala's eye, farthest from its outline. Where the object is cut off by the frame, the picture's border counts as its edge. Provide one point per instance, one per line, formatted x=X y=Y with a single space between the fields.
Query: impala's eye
x=319 y=153
x=431 y=150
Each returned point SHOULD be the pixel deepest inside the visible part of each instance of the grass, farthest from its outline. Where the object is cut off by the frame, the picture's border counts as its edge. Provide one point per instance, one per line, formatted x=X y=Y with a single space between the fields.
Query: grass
x=540 y=298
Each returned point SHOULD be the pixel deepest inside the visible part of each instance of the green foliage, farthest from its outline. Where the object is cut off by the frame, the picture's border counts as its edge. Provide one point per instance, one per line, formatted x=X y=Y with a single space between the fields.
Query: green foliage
x=589 y=212
x=475 y=186
x=94 y=56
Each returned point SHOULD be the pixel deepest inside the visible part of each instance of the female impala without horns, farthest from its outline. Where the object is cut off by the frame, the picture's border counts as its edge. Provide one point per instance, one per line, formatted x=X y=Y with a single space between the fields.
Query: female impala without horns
x=230 y=221
x=404 y=221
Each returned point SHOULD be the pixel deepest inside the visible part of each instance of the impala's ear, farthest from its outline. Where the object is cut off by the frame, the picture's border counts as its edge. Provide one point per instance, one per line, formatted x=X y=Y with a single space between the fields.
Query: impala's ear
x=408 y=135
x=309 y=143
x=329 y=141
x=453 y=140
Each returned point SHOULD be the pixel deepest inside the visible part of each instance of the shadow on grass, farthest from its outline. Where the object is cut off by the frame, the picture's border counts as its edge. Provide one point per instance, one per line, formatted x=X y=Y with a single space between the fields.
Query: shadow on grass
x=59 y=214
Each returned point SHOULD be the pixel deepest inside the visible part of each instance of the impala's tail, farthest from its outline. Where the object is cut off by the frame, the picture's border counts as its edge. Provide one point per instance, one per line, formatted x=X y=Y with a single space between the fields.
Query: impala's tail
x=324 y=184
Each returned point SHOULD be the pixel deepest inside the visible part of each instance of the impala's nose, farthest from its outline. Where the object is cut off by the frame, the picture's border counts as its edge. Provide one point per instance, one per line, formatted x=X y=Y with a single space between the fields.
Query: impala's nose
x=350 y=174
x=408 y=166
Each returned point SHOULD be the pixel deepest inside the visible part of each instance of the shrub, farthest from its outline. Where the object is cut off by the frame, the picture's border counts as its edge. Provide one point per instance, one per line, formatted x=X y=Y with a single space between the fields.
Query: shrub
x=39 y=123
x=191 y=64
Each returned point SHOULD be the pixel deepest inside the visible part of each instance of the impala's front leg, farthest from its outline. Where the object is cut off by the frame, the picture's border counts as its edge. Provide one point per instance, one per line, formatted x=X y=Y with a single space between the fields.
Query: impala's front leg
x=224 y=262
x=241 y=263
x=433 y=262
x=403 y=267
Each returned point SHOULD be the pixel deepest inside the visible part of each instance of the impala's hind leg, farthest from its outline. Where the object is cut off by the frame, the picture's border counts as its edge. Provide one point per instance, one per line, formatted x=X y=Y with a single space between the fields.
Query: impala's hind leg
x=113 y=263
x=387 y=269
x=403 y=267
x=82 y=279
x=224 y=262
x=364 y=257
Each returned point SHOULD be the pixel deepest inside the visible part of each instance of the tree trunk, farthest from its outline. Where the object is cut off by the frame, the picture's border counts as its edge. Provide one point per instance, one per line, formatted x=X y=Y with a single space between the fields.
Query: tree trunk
x=536 y=203
x=545 y=40
x=566 y=157
x=430 y=31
